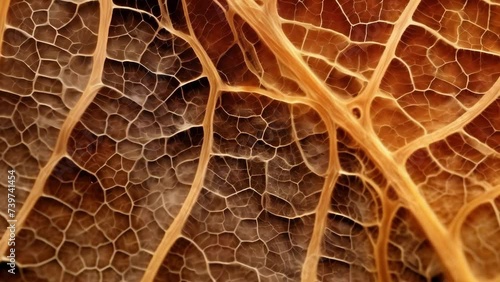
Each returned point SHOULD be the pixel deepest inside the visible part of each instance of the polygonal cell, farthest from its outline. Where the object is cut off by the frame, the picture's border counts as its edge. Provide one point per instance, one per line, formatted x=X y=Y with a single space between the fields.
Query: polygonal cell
x=130 y=33
x=249 y=125
x=486 y=126
x=176 y=14
x=150 y=6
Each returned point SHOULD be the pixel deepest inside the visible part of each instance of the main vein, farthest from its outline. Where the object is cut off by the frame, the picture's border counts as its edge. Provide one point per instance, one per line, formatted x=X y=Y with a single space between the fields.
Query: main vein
x=265 y=22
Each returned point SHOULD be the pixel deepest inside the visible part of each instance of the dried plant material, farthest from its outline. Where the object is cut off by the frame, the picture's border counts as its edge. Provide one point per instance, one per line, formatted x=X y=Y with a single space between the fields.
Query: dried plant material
x=250 y=140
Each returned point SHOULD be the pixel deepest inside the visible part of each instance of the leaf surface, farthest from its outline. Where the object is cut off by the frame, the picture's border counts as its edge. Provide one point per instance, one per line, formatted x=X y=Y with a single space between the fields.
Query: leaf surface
x=234 y=140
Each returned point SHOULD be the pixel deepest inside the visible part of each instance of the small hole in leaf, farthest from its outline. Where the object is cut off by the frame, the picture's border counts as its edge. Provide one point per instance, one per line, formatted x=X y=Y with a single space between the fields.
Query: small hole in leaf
x=392 y=194
x=356 y=112
x=5 y=267
x=438 y=278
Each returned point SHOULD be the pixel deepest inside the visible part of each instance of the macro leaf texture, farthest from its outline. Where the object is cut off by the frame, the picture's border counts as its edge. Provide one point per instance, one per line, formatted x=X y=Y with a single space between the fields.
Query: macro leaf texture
x=251 y=140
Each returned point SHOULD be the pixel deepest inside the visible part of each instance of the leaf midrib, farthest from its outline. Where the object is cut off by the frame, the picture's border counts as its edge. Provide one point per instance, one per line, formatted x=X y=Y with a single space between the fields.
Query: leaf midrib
x=266 y=25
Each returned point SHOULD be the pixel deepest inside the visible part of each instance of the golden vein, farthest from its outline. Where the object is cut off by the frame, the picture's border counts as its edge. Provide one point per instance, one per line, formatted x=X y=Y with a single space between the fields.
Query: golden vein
x=365 y=97
x=174 y=231
x=4 y=8
x=450 y=254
